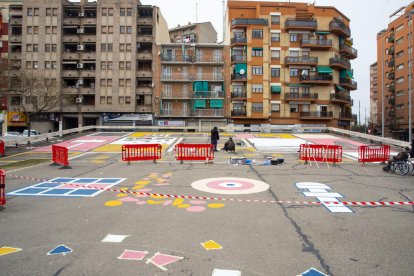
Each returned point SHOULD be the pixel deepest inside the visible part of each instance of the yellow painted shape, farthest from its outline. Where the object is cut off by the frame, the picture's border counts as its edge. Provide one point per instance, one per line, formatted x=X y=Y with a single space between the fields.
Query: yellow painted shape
x=215 y=205
x=178 y=201
x=124 y=189
x=250 y=149
x=157 y=196
x=153 y=175
x=8 y=250
x=153 y=202
x=183 y=206
x=138 y=187
x=277 y=155
x=287 y=136
x=113 y=203
x=211 y=245
x=160 y=180
x=143 y=182
x=121 y=195
x=97 y=161
x=109 y=148
x=249 y=154
x=141 y=134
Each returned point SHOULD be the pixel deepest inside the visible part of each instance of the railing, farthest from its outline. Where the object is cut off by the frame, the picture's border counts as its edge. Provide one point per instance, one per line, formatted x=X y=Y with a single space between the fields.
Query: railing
x=339 y=61
x=238 y=113
x=239 y=94
x=176 y=95
x=212 y=59
x=391 y=63
x=208 y=94
x=316 y=78
x=209 y=76
x=239 y=40
x=175 y=113
x=176 y=77
x=391 y=88
x=238 y=76
x=353 y=85
x=317 y=114
x=219 y=112
x=340 y=97
x=238 y=58
x=316 y=42
x=177 y=58
x=346 y=115
x=249 y=21
x=349 y=50
x=339 y=25
x=295 y=23
x=306 y=96
x=301 y=60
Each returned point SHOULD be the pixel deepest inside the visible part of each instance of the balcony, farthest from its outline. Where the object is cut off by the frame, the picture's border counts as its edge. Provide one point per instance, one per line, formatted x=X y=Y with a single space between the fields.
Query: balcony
x=208 y=94
x=316 y=44
x=144 y=56
x=145 y=21
x=391 y=88
x=209 y=60
x=216 y=112
x=348 y=84
x=310 y=61
x=70 y=74
x=144 y=73
x=239 y=41
x=89 y=20
x=88 y=38
x=321 y=79
x=339 y=63
x=391 y=38
x=70 y=38
x=238 y=58
x=143 y=90
x=339 y=28
x=16 y=21
x=238 y=113
x=239 y=95
x=88 y=90
x=67 y=90
x=348 y=51
x=346 y=116
x=238 y=22
x=340 y=98
x=147 y=108
x=294 y=96
x=391 y=63
x=297 y=24
x=89 y=55
x=176 y=95
x=391 y=75
x=70 y=56
x=144 y=38
x=391 y=51
x=71 y=21
x=239 y=77
x=178 y=77
x=174 y=113
x=88 y=73
x=170 y=59
x=209 y=77
x=316 y=115
x=15 y=39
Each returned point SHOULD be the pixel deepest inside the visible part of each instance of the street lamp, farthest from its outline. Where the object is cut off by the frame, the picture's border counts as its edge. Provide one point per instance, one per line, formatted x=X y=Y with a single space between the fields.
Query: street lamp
x=410 y=75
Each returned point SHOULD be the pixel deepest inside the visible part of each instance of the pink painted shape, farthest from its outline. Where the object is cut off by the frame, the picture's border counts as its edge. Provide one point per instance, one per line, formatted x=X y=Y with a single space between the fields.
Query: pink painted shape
x=164 y=184
x=83 y=146
x=197 y=202
x=196 y=209
x=140 y=202
x=99 y=185
x=216 y=185
x=139 y=195
x=133 y=255
x=68 y=186
x=128 y=199
x=167 y=202
x=144 y=190
x=245 y=136
x=161 y=260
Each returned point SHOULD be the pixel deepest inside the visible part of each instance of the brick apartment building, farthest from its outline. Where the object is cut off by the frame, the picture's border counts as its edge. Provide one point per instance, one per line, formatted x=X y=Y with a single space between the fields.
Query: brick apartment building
x=394 y=52
x=290 y=64
x=373 y=95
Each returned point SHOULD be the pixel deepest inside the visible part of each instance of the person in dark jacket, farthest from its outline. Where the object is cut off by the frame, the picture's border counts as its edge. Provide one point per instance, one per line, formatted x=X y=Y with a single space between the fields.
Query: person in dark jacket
x=214 y=138
x=401 y=156
x=412 y=149
x=229 y=145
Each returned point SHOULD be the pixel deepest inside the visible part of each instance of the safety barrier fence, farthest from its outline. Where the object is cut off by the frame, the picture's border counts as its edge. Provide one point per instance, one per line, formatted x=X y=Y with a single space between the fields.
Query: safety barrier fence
x=2 y=149
x=2 y=188
x=373 y=153
x=194 y=152
x=141 y=152
x=320 y=153
x=60 y=155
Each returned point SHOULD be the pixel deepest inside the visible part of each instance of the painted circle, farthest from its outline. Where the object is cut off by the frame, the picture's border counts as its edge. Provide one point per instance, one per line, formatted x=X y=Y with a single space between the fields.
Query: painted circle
x=230 y=185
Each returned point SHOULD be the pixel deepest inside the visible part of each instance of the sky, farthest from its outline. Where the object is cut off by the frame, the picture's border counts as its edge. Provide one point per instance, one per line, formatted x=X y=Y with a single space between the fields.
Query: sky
x=368 y=17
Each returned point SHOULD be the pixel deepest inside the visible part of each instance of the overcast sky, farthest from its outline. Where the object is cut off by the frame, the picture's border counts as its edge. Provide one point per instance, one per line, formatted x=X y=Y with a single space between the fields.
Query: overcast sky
x=368 y=17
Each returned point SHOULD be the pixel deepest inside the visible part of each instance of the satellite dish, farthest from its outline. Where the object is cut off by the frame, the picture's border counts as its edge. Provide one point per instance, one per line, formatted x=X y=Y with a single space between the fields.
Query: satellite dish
x=241 y=72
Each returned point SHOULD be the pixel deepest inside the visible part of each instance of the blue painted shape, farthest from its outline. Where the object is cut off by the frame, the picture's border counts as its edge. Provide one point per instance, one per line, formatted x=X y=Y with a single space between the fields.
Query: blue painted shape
x=85 y=180
x=84 y=192
x=62 y=180
x=30 y=191
x=108 y=180
x=312 y=272
x=60 y=249
x=47 y=185
x=57 y=192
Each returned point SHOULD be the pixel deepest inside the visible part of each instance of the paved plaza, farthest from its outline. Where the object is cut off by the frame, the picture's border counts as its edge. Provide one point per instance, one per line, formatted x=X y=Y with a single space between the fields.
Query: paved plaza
x=217 y=219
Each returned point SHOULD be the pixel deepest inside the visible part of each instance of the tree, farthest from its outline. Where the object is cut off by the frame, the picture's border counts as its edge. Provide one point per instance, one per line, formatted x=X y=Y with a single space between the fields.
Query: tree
x=33 y=92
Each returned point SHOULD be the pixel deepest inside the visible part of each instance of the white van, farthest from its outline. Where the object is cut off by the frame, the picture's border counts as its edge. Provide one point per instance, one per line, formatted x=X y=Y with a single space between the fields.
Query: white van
x=32 y=132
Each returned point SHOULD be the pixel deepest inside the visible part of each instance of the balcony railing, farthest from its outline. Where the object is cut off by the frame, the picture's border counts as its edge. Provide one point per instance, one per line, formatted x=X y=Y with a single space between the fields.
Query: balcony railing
x=339 y=27
x=338 y=62
x=177 y=58
x=176 y=77
x=317 y=114
x=316 y=43
x=346 y=116
x=239 y=94
x=348 y=51
x=209 y=77
x=348 y=83
x=301 y=96
x=301 y=24
x=391 y=76
x=391 y=38
x=216 y=112
x=340 y=98
x=241 y=40
x=239 y=77
x=208 y=94
x=249 y=21
x=313 y=61
x=317 y=79
x=175 y=113
x=237 y=112
x=176 y=95
x=238 y=58
x=391 y=88
x=391 y=63
x=391 y=51
x=211 y=59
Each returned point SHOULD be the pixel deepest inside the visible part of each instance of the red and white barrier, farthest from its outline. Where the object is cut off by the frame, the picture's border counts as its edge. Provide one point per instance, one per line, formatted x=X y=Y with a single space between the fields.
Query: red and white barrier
x=194 y=152
x=141 y=152
x=60 y=155
x=320 y=153
x=373 y=154
x=2 y=188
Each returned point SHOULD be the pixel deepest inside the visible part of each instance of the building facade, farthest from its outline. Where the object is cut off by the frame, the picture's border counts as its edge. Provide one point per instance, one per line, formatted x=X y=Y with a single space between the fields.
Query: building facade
x=290 y=64
x=394 y=52
x=373 y=95
x=203 y=32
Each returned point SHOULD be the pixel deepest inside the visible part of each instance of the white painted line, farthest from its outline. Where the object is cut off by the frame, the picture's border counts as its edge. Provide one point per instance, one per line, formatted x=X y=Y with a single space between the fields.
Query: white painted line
x=225 y=272
x=338 y=209
x=75 y=145
x=313 y=190
x=89 y=141
x=322 y=194
x=173 y=145
x=311 y=185
x=114 y=238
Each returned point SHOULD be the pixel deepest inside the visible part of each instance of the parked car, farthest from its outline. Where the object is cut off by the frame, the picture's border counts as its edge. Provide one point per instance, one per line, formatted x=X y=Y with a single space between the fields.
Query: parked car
x=12 y=134
x=32 y=132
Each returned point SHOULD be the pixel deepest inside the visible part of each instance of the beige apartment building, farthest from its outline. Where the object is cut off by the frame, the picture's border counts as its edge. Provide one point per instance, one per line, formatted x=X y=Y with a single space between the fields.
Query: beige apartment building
x=394 y=52
x=373 y=95
x=202 y=32
x=99 y=55
x=291 y=64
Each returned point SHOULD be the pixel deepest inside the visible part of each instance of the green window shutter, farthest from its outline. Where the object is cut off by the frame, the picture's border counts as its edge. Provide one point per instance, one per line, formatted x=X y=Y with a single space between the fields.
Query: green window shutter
x=346 y=74
x=241 y=66
x=215 y=103
x=322 y=32
x=205 y=86
x=340 y=88
x=322 y=69
x=257 y=49
x=200 y=103
x=276 y=89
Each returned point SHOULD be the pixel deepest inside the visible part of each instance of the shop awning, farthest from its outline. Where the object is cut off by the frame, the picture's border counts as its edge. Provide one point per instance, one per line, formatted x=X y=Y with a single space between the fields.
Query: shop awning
x=275 y=89
x=340 y=88
x=324 y=69
x=216 y=103
x=322 y=32
x=200 y=103
x=257 y=49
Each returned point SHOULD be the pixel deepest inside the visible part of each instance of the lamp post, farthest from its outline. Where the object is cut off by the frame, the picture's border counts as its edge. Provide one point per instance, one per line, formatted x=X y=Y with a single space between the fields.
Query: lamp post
x=410 y=75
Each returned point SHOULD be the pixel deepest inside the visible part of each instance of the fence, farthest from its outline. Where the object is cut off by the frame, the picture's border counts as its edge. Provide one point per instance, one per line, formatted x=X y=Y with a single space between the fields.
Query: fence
x=2 y=188
x=2 y=149
x=194 y=152
x=141 y=152
x=373 y=154
x=60 y=155
x=320 y=153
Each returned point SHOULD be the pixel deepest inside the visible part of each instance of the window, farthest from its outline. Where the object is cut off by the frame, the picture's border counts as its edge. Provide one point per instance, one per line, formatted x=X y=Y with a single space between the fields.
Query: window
x=48 y=29
x=305 y=107
x=128 y=47
x=54 y=48
x=48 y=65
x=257 y=52
x=103 y=82
x=275 y=37
x=36 y=29
x=399 y=28
x=257 y=34
x=109 y=100
x=294 y=89
x=400 y=80
x=104 y=12
x=122 y=29
x=275 y=19
x=102 y=100
x=122 y=47
x=400 y=106
x=54 y=65
x=109 y=82
x=294 y=108
x=28 y=64
x=129 y=29
x=103 y=65
x=294 y=72
x=275 y=54
x=29 y=12
x=128 y=65
x=54 y=30
x=257 y=107
x=109 y=48
x=257 y=88
x=36 y=11
x=400 y=40
x=29 y=29
x=48 y=12
x=29 y=48
x=129 y=11
x=128 y=100
x=47 y=48
x=110 y=29
x=121 y=82
x=104 y=29
x=109 y=65
x=54 y=11
x=35 y=65
x=399 y=93
x=400 y=53
x=275 y=72
x=294 y=37
x=121 y=100
x=110 y=11
x=121 y=65
x=128 y=82
x=275 y=107
x=257 y=70
x=122 y=12
x=400 y=66
x=35 y=48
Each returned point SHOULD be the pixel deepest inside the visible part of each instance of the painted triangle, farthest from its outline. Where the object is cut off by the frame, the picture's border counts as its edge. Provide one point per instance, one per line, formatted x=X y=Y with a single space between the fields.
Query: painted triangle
x=60 y=249
x=8 y=250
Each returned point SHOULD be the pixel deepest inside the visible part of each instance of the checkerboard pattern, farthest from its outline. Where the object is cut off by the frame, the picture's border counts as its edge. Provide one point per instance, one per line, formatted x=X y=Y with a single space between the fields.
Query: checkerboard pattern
x=58 y=187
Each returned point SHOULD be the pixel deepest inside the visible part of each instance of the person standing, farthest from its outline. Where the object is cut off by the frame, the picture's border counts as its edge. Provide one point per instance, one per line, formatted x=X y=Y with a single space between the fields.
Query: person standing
x=412 y=149
x=214 y=138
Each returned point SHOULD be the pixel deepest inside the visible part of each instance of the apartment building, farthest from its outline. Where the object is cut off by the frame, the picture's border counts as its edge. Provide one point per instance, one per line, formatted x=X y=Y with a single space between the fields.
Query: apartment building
x=99 y=55
x=373 y=95
x=290 y=64
x=202 y=32
x=394 y=62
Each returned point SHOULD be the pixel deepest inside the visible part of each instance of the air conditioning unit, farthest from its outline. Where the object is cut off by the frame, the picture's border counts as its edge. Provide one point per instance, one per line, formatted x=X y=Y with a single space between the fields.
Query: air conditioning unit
x=80 y=31
x=80 y=82
x=79 y=65
x=81 y=47
x=313 y=69
x=81 y=14
x=78 y=100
